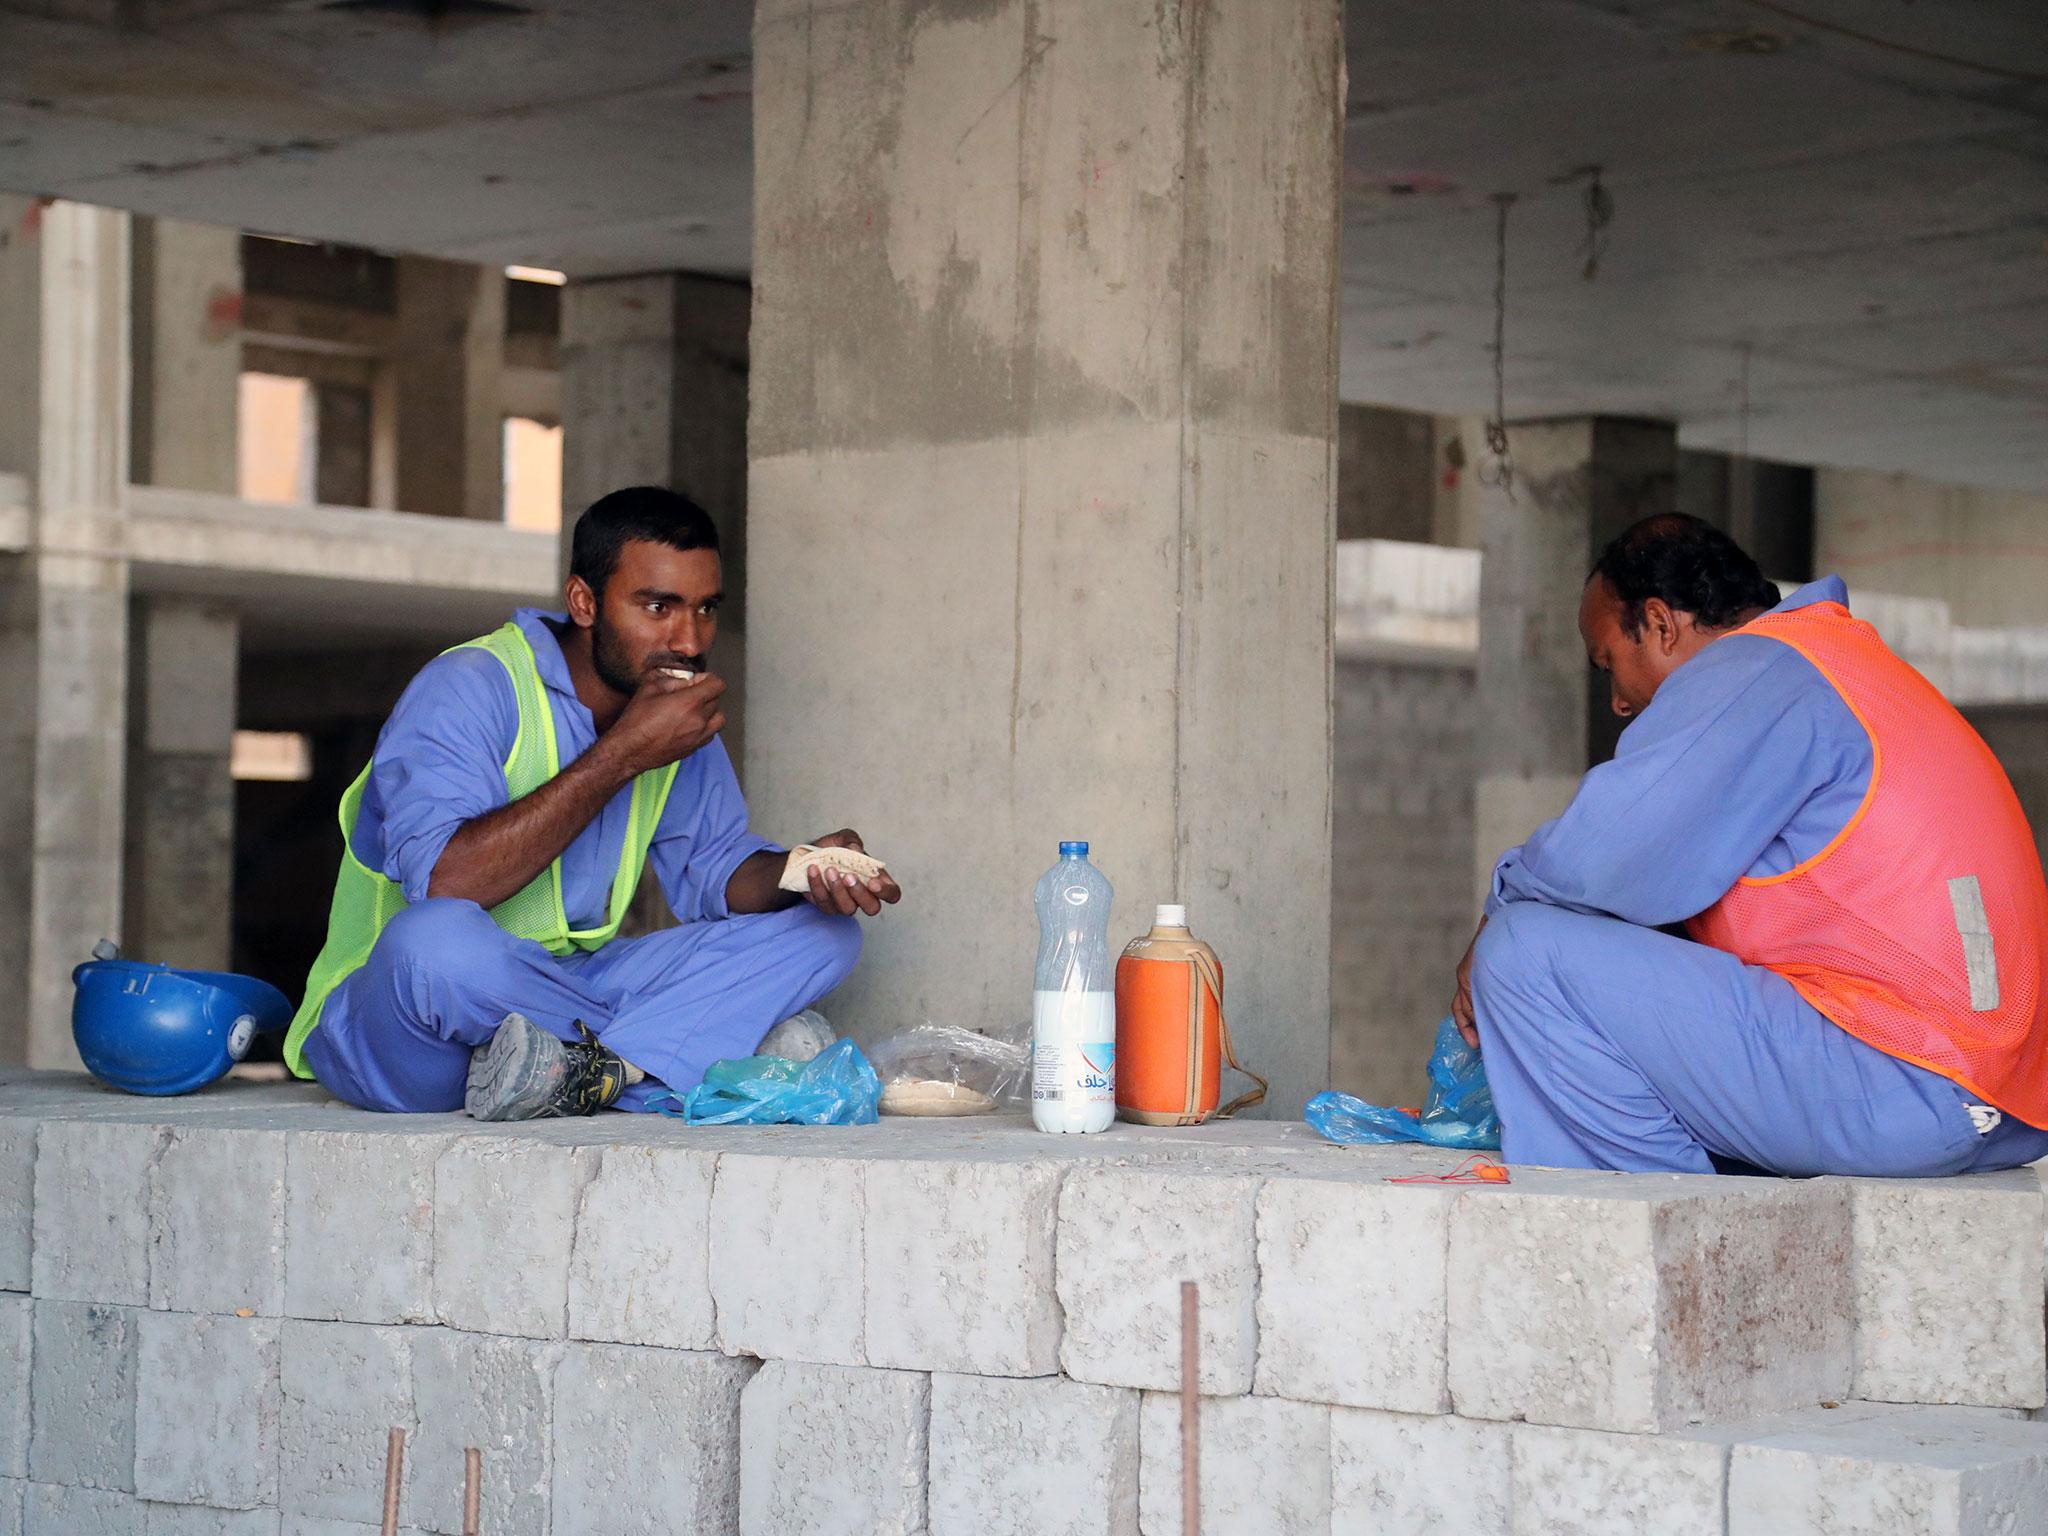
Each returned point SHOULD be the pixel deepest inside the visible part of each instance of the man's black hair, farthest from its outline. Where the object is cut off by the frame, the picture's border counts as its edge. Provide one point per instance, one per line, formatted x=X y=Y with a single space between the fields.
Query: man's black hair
x=1693 y=566
x=650 y=512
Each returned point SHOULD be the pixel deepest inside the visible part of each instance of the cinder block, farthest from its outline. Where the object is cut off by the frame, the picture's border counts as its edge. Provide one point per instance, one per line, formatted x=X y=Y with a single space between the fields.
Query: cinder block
x=1927 y=1472
x=786 y=1257
x=646 y=1439
x=17 y=1202
x=346 y=1387
x=1585 y=1482
x=60 y=1510
x=306 y=1525
x=82 y=1381
x=1625 y=1302
x=1043 y=1457
x=11 y=1490
x=55 y=1509
x=359 y=1226
x=1351 y=1293
x=1128 y=1237
x=208 y=1410
x=1265 y=1467
x=198 y=1520
x=1420 y=1475
x=833 y=1450
x=1948 y=1290
x=960 y=1266
x=17 y=1314
x=641 y=1271
x=504 y=1223
x=92 y=1210
x=216 y=1222
x=493 y=1393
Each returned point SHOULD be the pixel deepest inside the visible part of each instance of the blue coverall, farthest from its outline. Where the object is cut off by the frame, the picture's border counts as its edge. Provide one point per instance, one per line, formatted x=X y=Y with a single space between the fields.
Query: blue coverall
x=397 y=1034
x=1610 y=1044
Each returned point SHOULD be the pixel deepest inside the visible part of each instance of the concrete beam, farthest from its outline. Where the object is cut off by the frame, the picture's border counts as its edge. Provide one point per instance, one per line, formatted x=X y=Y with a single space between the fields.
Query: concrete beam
x=64 y=319
x=187 y=354
x=448 y=353
x=353 y=544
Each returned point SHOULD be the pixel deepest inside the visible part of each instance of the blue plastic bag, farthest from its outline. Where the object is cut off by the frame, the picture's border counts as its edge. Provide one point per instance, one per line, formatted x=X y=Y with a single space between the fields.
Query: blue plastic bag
x=1458 y=1113
x=836 y=1087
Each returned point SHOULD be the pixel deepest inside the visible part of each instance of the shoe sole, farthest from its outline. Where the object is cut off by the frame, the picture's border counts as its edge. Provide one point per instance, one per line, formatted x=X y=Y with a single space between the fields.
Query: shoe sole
x=513 y=1075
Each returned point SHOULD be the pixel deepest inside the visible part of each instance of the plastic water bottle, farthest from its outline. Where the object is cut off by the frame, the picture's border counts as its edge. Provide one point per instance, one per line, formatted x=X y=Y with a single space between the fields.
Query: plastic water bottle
x=1073 y=999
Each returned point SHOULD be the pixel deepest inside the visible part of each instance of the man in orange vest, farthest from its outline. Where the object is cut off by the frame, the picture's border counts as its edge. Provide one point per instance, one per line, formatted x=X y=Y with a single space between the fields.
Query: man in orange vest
x=1858 y=987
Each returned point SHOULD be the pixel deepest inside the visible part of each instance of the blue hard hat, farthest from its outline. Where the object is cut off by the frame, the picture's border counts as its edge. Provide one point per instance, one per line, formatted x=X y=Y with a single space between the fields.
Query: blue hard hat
x=149 y=1029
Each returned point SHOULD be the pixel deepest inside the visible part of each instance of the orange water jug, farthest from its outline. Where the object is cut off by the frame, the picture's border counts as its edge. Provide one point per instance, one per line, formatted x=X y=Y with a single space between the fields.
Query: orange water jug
x=1171 y=1039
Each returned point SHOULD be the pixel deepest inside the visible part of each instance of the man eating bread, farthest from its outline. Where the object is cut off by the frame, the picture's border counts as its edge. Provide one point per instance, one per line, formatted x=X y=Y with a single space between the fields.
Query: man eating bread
x=494 y=841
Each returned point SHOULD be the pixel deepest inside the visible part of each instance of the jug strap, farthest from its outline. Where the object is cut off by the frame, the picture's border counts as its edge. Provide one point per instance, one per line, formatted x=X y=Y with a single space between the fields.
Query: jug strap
x=1205 y=969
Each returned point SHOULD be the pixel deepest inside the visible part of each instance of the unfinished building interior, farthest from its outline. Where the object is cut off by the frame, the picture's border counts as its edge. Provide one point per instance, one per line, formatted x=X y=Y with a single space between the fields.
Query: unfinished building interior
x=1186 y=427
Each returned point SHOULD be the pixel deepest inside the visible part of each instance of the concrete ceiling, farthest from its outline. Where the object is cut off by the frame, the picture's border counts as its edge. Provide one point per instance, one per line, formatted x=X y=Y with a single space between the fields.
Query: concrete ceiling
x=1855 y=197
x=1870 y=222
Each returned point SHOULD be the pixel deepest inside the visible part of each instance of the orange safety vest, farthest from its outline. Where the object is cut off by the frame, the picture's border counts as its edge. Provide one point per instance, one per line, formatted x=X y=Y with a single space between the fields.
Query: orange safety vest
x=1920 y=928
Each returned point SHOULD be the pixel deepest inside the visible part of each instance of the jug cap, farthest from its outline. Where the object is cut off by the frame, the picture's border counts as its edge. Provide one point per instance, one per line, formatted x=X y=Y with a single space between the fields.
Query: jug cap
x=1072 y=847
x=1170 y=916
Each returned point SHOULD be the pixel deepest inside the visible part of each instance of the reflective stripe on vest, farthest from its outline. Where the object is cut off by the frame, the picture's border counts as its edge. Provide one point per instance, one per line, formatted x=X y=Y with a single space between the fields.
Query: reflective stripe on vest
x=1920 y=927
x=364 y=901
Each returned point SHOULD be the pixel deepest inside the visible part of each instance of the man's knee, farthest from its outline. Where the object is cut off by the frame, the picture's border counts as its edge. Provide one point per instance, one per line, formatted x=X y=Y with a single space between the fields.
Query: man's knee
x=429 y=932
x=837 y=941
x=1519 y=946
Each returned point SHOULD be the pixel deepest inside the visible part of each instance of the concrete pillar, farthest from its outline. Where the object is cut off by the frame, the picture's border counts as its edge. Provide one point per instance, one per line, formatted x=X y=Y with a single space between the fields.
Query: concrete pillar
x=64 y=317
x=187 y=281
x=1764 y=506
x=181 y=831
x=1543 y=712
x=449 y=353
x=1043 y=437
x=618 y=389
x=345 y=473
x=654 y=392
x=1386 y=474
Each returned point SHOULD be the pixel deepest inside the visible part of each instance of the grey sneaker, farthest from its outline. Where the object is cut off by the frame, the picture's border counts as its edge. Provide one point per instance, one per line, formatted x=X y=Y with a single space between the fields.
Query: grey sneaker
x=525 y=1073
x=798 y=1039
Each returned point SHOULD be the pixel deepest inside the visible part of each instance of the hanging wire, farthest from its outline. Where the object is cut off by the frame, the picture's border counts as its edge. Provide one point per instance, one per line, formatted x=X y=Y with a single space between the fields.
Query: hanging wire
x=1501 y=470
x=1599 y=205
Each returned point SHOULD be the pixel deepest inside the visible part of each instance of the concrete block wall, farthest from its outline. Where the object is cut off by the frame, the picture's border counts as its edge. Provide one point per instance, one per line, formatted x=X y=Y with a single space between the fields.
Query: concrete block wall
x=1402 y=835
x=964 y=1328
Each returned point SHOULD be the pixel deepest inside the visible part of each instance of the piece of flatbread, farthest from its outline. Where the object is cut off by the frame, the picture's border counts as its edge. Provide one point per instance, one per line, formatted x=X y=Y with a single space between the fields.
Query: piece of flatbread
x=804 y=858
x=931 y=1096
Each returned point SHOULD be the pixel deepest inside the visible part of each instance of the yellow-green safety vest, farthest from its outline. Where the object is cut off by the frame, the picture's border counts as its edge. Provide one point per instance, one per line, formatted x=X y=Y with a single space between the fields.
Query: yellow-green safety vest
x=364 y=901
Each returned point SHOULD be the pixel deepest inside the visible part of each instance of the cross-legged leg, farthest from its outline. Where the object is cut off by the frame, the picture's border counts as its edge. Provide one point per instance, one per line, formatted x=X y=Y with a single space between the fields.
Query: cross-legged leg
x=1613 y=1046
x=685 y=997
x=397 y=1033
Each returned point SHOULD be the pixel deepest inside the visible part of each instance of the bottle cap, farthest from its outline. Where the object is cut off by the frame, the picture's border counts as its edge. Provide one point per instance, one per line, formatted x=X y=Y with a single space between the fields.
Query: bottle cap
x=1073 y=848
x=1170 y=917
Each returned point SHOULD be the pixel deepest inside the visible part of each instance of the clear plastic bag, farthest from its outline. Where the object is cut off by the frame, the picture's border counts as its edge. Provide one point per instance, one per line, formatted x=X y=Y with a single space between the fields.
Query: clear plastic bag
x=836 y=1087
x=1458 y=1113
x=943 y=1069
